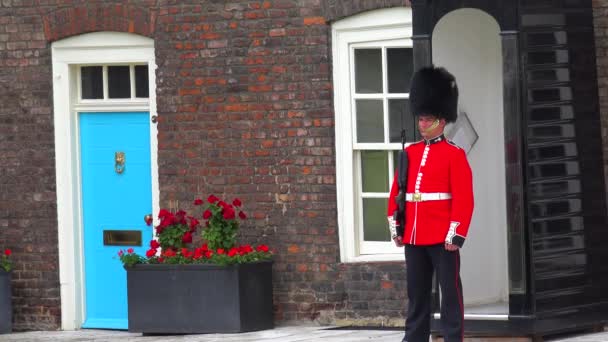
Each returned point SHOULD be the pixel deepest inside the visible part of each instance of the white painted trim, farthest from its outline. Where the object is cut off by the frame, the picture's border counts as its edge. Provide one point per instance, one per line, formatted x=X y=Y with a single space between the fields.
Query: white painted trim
x=365 y=29
x=108 y=106
x=92 y=48
x=132 y=81
x=378 y=19
x=102 y=40
x=479 y=317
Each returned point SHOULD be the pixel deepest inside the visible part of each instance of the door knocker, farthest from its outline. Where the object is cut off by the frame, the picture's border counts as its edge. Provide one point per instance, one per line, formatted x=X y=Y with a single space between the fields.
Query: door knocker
x=119 y=162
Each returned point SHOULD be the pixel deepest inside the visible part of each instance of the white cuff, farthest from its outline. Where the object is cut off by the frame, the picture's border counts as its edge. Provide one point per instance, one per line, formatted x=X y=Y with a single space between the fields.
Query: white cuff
x=392 y=226
x=452 y=236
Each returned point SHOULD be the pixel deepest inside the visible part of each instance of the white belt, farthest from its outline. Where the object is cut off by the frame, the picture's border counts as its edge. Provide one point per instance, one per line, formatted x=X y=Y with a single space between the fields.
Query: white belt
x=427 y=196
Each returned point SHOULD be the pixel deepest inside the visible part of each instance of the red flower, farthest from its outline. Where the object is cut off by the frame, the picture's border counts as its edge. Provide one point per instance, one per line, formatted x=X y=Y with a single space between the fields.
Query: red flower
x=169 y=253
x=187 y=238
x=198 y=253
x=245 y=249
x=166 y=221
x=175 y=233
x=181 y=217
x=228 y=213
x=186 y=253
x=7 y=252
x=164 y=213
x=193 y=223
x=262 y=248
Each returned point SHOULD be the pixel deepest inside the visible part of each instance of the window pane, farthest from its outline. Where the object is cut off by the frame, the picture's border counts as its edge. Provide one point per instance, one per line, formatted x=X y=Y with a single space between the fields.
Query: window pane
x=400 y=68
x=91 y=78
x=370 y=123
x=141 y=81
x=400 y=118
x=395 y=162
x=375 y=227
x=368 y=71
x=119 y=82
x=374 y=171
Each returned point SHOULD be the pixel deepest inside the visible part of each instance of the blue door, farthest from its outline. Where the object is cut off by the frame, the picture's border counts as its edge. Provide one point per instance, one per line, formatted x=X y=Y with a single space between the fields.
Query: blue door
x=115 y=197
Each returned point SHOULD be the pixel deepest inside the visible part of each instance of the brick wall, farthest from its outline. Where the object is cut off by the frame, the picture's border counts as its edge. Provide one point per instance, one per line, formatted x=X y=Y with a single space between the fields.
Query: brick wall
x=28 y=213
x=245 y=109
x=245 y=100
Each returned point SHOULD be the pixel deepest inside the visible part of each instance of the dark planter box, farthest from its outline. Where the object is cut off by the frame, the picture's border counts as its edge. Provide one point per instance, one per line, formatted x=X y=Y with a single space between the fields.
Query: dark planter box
x=6 y=307
x=188 y=299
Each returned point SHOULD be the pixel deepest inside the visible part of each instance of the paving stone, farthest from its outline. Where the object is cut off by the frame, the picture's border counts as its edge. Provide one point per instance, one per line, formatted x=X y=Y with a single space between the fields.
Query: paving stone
x=279 y=334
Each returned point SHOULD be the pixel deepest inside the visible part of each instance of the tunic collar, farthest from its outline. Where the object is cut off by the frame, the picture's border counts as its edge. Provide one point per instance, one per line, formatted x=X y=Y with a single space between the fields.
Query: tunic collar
x=434 y=140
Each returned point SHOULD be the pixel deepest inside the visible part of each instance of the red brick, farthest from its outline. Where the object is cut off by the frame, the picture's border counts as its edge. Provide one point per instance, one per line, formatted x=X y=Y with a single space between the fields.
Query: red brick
x=277 y=32
x=210 y=35
x=254 y=15
x=183 y=92
x=314 y=21
x=387 y=285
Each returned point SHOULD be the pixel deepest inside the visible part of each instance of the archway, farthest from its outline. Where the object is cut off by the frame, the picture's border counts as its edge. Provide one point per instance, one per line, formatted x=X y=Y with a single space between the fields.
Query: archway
x=467 y=42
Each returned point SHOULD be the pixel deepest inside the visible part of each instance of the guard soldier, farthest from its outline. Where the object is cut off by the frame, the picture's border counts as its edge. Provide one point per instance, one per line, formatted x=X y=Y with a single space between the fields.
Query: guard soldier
x=438 y=208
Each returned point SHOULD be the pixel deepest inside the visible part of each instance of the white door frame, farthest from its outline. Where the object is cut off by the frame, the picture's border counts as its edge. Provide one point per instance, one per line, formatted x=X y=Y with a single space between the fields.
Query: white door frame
x=91 y=48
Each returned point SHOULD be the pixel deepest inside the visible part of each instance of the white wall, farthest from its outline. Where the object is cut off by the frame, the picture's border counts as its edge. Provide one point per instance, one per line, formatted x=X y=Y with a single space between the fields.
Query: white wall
x=467 y=43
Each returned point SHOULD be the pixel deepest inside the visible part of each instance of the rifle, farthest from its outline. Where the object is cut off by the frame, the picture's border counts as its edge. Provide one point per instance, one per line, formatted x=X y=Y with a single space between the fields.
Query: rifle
x=402 y=164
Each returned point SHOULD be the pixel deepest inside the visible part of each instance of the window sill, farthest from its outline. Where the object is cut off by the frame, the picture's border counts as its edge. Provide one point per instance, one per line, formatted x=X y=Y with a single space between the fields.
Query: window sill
x=400 y=257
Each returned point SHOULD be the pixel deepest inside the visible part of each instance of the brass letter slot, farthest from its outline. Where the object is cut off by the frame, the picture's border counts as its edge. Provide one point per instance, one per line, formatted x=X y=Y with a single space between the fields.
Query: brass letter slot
x=122 y=237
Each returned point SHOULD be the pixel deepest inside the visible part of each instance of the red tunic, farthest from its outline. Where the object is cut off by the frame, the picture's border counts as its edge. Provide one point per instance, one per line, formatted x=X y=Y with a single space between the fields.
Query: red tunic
x=443 y=169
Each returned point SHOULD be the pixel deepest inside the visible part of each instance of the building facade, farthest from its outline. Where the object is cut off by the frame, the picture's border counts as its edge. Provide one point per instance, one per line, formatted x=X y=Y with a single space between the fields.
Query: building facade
x=291 y=105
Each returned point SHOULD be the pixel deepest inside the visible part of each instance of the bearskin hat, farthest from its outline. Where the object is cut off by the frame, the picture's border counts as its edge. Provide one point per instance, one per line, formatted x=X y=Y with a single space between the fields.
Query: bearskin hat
x=434 y=92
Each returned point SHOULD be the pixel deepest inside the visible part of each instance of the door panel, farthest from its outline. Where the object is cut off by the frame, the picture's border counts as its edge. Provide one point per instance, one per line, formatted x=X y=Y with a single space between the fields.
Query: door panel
x=112 y=201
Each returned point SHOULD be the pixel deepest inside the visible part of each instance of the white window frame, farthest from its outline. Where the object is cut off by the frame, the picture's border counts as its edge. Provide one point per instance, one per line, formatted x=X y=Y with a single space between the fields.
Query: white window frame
x=385 y=27
x=107 y=48
x=106 y=98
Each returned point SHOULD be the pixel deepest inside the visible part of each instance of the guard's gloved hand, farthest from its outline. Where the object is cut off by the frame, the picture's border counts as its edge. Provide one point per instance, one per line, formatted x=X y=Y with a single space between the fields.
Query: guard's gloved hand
x=453 y=241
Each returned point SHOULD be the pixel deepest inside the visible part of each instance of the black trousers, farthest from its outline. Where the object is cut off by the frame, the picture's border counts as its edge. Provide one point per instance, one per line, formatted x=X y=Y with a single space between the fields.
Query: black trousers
x=421 y=261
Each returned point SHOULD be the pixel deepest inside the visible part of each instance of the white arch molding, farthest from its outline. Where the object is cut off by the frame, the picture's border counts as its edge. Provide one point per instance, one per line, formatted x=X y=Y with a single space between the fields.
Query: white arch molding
x=67 y=54
x=467 y=42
